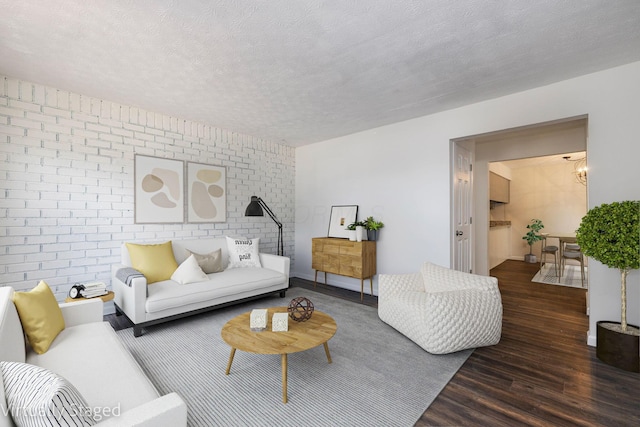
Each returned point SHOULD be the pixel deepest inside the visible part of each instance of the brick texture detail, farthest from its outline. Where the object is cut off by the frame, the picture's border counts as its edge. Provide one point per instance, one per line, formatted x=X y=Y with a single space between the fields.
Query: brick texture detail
x=66 y=173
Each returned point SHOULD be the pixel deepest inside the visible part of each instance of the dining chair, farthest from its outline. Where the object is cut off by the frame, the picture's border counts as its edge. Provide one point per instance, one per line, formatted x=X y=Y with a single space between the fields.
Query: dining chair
x=572 y=251
x=548 y=250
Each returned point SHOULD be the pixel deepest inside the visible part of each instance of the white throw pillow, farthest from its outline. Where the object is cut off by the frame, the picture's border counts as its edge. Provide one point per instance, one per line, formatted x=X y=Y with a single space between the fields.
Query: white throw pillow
x=243 y=252
x=36 y=396
x=189 y=272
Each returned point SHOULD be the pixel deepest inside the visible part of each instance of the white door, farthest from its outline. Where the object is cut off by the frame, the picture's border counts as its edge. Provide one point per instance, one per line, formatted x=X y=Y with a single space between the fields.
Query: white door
x=462 y=202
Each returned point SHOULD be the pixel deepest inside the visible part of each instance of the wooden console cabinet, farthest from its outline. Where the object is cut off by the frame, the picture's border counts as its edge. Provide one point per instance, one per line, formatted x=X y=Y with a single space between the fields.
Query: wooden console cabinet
x=345 y=258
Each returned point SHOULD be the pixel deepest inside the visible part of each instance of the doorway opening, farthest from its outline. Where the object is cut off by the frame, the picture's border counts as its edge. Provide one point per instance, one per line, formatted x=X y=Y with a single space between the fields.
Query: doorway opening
x=555 y=138
x=550 y=189
x=545 y=188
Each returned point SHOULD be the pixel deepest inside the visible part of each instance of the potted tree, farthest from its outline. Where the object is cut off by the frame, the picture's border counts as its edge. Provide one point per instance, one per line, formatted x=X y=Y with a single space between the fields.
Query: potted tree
x=372 y=227
x=531 y=237
x=609 y=233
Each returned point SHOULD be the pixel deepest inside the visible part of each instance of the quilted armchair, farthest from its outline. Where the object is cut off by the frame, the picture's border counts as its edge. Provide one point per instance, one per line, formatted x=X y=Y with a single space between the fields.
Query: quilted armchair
x=442 y=310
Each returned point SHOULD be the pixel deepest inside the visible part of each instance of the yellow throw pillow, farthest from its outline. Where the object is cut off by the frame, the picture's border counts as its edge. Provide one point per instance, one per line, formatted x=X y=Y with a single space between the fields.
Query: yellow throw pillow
x=40 y=316
x=156 y=262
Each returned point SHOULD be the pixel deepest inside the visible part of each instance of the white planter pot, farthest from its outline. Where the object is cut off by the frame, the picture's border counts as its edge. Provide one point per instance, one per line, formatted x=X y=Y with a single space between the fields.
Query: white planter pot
x=359 y=233
x=352 y=235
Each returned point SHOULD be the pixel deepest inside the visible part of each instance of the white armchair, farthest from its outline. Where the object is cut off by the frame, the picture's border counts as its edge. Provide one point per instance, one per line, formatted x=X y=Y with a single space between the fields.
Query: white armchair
x=442 y=310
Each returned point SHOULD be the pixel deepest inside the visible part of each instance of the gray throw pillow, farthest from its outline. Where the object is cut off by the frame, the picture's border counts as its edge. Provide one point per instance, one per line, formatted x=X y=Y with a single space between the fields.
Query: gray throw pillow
x=211 y=262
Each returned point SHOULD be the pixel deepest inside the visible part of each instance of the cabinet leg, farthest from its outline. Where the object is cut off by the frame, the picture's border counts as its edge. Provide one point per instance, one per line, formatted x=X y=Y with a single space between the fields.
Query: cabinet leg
x=371 y=284
x=315 y=280
x=361 y=290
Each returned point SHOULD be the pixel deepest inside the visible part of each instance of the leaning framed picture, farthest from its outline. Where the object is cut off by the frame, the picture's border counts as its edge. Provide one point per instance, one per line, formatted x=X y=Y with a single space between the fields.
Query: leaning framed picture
x=341 y=217
x=206 y=193
x=158 y=190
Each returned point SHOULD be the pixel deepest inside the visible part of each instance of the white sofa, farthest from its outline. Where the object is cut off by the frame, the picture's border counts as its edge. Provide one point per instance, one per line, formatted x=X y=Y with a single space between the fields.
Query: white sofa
x=442 y=310
x=89 y=355
x=167 y=300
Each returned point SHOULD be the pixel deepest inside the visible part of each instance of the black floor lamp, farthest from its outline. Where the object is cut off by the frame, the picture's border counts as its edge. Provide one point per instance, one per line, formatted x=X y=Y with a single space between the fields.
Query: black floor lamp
x=255 y=208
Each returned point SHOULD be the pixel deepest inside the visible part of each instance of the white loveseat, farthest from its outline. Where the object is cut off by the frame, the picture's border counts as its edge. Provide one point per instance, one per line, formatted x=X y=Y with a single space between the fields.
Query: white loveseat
x=89 y=355
x=442 y=310
x=166 y=300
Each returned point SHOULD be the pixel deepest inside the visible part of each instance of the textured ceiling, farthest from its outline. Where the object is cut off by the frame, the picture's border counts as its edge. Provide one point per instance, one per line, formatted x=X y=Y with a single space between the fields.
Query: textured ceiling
x=304 y=71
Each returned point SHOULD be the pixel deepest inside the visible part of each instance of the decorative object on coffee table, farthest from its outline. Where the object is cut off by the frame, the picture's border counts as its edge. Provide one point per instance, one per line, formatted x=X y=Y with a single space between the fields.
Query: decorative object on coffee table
x=280 y=322
x=258 y=319
x=300 y=309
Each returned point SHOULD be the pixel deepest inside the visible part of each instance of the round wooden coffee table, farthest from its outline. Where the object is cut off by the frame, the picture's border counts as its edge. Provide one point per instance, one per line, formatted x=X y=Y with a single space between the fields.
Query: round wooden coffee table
x=300 y=336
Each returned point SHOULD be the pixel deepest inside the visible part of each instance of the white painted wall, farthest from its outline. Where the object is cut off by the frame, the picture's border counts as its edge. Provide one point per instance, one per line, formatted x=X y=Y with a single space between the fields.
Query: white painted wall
x=550 y=193
x=401 y=173
x=500 y=169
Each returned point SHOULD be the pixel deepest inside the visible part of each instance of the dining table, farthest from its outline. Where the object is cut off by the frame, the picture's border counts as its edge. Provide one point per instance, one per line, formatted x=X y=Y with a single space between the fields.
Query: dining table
x=563 y=237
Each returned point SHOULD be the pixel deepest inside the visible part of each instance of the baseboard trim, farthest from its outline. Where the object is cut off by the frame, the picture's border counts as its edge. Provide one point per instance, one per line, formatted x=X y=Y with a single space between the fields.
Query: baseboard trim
x=343 y=282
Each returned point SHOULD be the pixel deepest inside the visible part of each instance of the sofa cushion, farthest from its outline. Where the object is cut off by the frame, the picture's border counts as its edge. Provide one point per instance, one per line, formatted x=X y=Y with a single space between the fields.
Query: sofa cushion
x=168 y=294
x=441 y=279
x=93 y=359
x=40 y=316
x=243 y=252
x=37 y=396
x=211 y=262
x=5 y=419
x=11 y=334
x=155 y=261
x=189 y=272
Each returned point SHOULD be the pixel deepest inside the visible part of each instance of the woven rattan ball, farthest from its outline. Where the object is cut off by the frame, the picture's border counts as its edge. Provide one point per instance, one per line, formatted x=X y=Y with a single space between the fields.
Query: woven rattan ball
x=300 y=309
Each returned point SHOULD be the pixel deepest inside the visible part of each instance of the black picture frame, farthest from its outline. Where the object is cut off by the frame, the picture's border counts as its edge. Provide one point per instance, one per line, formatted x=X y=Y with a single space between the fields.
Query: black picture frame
x=341 y=217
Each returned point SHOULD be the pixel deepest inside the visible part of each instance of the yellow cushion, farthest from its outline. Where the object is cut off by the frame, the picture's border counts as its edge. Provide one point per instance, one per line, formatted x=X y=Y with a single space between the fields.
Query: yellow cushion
x=156 y=262
x=40 y=316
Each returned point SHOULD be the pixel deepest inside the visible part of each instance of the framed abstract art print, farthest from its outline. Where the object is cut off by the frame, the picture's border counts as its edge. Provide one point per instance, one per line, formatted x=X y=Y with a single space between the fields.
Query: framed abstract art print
x=158 y=190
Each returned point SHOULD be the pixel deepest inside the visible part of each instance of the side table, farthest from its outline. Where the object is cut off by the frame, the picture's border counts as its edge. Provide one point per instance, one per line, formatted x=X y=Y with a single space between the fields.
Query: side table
x=106 y=297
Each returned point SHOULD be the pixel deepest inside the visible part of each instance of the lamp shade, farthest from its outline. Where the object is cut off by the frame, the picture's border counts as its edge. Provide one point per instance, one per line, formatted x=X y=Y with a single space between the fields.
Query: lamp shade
x=254 y=208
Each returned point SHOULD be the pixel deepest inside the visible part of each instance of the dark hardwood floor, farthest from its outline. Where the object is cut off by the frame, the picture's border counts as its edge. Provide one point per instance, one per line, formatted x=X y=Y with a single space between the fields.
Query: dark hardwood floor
x=541 y=373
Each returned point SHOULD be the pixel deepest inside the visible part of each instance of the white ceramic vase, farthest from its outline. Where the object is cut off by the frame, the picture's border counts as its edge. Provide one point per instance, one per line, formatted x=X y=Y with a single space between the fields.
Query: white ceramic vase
x=359 y=233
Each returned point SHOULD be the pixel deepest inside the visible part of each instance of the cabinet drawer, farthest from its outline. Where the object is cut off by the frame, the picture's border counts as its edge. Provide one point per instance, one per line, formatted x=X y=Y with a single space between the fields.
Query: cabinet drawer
x=354 y=271
x=352 y=250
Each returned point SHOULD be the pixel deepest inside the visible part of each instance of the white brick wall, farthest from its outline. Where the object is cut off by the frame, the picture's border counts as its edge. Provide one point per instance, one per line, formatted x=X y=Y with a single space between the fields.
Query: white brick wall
x=66 y=176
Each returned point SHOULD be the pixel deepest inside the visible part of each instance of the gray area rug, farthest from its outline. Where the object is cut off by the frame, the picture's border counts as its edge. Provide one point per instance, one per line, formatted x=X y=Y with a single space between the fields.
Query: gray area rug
x=570 y=277
x=377 y=378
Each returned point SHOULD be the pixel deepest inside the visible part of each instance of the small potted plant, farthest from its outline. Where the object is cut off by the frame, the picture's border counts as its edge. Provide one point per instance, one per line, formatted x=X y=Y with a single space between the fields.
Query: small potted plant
x=372 y=227
x=352 y=231
x=609 y=233
x=356 y=231
x=531 y=237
